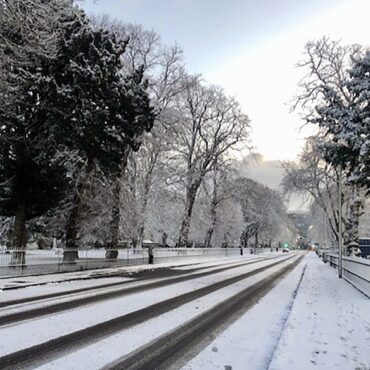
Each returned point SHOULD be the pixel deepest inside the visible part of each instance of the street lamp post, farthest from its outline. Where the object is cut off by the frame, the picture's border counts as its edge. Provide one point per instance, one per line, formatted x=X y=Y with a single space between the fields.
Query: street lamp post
x=324 y=238
x=340 y=236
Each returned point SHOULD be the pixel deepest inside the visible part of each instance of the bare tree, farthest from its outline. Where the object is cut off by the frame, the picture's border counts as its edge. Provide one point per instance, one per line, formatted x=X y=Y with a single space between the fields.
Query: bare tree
x=163 y=67
x=263 y=210
x=251 y=226
x=210 y=125
x=218 y=188
x=327 y=98
x=327 y=63
x=314 y=176
x=29 y=32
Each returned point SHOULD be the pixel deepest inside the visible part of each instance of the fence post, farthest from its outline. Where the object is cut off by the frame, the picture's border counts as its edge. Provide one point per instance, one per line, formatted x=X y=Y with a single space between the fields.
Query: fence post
x=151 y=255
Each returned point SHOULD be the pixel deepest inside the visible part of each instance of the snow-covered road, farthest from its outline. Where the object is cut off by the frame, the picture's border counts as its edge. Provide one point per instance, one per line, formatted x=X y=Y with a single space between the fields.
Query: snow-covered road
x=112 y=320
x=266 y=312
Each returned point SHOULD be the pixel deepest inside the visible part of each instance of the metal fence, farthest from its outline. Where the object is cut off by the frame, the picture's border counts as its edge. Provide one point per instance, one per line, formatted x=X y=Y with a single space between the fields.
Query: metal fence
x=364 y=245
x=355 y=270
x=168 y=254
x=38 y=262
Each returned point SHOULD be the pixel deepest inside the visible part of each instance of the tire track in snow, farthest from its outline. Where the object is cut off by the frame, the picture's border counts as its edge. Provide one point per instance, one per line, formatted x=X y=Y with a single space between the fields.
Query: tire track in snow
x=168 y=349
x=55 y=348
x=146 y=276
x=33 y=313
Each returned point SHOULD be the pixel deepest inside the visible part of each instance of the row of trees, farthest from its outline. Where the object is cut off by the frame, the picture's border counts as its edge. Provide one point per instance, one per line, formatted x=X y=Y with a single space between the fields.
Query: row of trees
x=104 y=136
x=184 y=160
x=334 y=95
x=175 y=187
x=313 y=176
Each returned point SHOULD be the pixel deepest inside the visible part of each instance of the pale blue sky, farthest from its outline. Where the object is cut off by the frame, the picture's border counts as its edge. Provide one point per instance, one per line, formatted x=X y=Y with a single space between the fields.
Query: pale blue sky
x=211 y=30
x=250 y=48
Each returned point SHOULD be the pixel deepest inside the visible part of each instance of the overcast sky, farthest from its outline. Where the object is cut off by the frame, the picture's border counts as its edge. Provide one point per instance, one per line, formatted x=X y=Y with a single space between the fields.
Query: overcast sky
x=249 y=47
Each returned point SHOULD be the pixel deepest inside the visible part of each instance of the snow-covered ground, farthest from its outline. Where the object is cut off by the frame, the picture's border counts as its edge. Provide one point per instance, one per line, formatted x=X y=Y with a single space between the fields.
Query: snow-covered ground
x=38 y=330
x=129 y=340
x=310 y=320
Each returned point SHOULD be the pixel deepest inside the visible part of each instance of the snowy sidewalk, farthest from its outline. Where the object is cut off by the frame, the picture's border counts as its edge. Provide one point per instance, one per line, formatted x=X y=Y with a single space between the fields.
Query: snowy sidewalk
x=310 y=320
x=329 y=324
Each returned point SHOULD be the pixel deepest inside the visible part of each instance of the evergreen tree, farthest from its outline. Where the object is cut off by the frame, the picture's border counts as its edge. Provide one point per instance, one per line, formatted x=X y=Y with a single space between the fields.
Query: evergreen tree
x=100 y=111
x=31 y=178
x=356 y=132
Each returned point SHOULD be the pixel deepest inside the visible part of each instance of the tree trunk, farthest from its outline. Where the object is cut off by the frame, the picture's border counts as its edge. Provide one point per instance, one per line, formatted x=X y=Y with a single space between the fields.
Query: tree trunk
x=147 y=186
x=114 y=226
x=351 y=234
x=185 y=225
x=20 y=233
x=208 y=238
x=141 y=227
x=164 y=239
x=244 y=239
x=255 y=242
x=71 y=251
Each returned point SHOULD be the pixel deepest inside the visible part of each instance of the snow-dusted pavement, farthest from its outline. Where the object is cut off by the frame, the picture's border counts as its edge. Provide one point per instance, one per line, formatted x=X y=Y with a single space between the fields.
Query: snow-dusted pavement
x=202 y=316
x=310 y=320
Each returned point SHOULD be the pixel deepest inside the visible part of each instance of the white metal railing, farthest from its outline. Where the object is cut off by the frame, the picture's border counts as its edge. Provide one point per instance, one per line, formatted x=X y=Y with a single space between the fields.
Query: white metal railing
x=37 y=262
x=189 y=252
x=355 y=270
